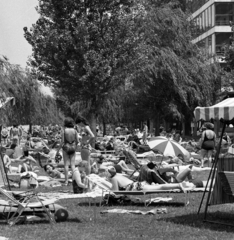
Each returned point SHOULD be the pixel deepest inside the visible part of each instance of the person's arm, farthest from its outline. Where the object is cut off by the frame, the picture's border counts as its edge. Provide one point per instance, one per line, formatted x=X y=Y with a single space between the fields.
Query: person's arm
x=7 y=161
x=92 y=137
x=77 y=137
x=115 y=186
x=61 y=143
x=202 y=138
x=25 y=167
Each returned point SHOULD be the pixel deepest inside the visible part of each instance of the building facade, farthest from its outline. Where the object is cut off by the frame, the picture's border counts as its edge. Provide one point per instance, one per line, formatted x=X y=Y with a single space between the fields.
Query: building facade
x=212 y=19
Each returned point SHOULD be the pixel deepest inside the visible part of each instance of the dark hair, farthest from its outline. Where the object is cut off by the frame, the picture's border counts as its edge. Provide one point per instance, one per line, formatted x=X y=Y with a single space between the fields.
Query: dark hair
x=151 y=165
x=2 y=149
x=48 y=165
x=69 y=122
x=80 y=119
x=13 y=146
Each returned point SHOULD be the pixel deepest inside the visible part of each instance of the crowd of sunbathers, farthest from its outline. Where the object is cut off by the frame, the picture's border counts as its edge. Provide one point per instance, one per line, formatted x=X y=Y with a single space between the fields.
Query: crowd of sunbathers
x=76 y=135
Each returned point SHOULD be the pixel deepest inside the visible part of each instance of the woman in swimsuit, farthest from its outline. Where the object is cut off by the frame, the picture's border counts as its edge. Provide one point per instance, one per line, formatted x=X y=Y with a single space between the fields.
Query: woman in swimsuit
x=4 y=134
x=86 y=139
x=15 y=134
x=207 y=142
x=69 y=139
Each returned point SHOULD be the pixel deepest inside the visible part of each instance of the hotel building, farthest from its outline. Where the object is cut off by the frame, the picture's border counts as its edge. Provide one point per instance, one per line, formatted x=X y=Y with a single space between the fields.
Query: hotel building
x=212 y=18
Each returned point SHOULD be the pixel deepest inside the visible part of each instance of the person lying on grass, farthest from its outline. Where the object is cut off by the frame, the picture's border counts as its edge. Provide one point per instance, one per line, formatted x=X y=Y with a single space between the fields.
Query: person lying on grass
x=121 y=182
x=55 y=173
x=77 y=177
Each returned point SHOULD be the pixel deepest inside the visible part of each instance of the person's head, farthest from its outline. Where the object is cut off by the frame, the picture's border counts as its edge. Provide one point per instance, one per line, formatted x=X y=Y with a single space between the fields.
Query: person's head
x=3 y=150
x=151 y=165
x=69 y=122
x=209 y=125
x=48 y=167
x=81 y=120
x=13 y=146
x=112 y=171
x=181 y=157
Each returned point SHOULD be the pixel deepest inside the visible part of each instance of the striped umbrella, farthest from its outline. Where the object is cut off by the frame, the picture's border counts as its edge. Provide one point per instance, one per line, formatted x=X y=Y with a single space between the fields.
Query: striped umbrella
x=168 y=147
x=222 y=110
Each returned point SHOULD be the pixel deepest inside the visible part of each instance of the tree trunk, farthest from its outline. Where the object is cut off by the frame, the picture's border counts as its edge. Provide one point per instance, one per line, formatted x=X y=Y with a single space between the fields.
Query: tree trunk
x=157 y=124
x=92 y=122
x=104 y=128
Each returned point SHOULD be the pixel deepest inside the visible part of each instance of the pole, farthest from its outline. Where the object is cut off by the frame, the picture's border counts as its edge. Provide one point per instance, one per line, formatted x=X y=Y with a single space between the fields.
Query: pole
x=212 y=175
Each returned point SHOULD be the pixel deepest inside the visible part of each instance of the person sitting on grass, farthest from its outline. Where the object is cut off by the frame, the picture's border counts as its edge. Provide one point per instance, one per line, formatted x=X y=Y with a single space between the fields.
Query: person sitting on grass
x=27 y=164
x=7 y=160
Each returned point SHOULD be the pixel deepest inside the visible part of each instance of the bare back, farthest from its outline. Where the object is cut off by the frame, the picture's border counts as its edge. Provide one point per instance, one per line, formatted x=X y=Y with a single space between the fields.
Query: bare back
x=70 y=135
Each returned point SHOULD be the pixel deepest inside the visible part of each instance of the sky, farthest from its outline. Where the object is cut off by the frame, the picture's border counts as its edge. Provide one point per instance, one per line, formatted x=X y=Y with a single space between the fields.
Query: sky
x=14 y=16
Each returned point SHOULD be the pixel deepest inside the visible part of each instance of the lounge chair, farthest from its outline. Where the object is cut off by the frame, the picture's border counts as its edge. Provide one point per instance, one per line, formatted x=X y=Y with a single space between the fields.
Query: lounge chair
x=20 y=202
x=105 y=186
x=131 y=157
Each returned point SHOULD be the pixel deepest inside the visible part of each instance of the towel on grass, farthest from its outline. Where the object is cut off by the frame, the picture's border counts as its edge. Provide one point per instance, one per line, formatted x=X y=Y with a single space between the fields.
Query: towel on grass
x=151 y=212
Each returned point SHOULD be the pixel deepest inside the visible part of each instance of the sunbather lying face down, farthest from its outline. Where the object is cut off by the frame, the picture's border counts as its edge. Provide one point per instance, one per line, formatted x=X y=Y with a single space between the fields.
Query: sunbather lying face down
x=121 y=182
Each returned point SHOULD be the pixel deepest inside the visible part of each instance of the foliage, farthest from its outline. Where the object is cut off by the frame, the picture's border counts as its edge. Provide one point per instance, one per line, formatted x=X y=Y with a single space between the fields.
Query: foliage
x=84 y=48
x=31 y=105
x=172 y=73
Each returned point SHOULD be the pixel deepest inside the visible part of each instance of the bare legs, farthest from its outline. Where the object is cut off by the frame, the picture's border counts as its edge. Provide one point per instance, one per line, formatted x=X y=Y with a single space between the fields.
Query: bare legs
x=68 y=160
x=207 y=153
x=85 y=155
x=124 y=167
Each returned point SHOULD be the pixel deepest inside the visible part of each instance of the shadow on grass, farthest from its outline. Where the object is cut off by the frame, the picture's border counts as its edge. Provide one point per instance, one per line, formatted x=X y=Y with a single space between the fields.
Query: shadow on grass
x=140 y=204
x=197 y=221
x=43 y=221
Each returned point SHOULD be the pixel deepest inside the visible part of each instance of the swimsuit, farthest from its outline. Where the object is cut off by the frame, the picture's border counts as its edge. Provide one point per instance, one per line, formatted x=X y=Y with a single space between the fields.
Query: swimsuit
x=208 y=144
x=69 y=147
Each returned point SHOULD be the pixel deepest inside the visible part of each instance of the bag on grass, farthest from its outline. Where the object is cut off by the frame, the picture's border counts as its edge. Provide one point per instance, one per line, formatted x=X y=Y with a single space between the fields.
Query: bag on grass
x=112 y=200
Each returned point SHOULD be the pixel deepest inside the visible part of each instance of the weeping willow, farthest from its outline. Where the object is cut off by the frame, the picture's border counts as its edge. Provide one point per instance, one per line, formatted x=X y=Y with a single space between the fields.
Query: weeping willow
x=32 y=106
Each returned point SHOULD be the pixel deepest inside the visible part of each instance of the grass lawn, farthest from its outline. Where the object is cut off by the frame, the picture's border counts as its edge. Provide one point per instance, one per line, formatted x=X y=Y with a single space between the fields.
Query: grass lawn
x=179 y=223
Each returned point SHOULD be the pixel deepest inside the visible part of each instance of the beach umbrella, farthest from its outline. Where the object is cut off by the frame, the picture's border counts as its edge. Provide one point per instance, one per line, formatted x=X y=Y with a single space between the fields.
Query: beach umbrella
x=157 y=138
x=168 y=148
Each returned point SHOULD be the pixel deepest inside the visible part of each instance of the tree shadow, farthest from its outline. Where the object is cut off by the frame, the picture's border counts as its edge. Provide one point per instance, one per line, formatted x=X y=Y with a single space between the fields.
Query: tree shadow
x=197 y=220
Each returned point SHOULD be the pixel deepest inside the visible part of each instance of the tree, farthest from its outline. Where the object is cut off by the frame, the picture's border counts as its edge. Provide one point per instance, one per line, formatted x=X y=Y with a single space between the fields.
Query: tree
x=172 y=73
x=31 y=105
x=84 y=48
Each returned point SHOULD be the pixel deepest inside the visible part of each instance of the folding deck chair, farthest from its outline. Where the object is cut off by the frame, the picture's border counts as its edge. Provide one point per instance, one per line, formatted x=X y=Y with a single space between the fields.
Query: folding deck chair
x=21 y=201
x=131 y=157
